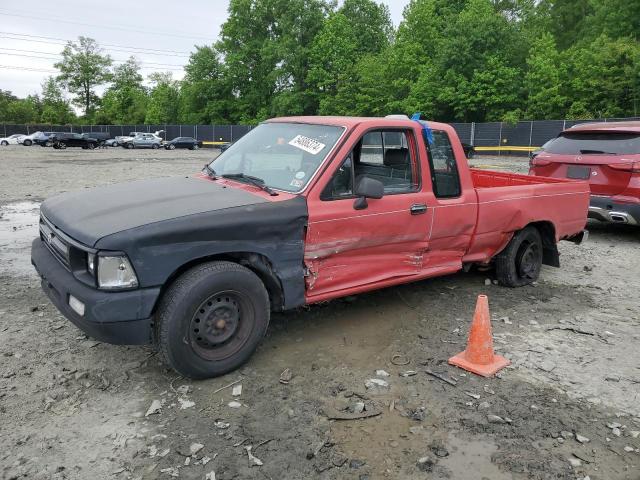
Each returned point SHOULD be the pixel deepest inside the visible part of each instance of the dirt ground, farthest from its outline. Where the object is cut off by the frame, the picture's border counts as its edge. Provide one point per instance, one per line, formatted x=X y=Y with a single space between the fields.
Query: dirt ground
x=567 y=408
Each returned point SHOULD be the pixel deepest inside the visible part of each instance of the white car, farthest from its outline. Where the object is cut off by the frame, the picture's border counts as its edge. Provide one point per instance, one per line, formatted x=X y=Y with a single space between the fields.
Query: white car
x=12 y=139
x=121 y=140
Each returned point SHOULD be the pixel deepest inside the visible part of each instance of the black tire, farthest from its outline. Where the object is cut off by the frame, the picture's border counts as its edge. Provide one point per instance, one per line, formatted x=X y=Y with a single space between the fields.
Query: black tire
x=27 y=143
x=172 y=146
x=520 y=262
x=130 y=146
x=91 y=146
x=235 y=308
x=4 y=143
x=155 y=146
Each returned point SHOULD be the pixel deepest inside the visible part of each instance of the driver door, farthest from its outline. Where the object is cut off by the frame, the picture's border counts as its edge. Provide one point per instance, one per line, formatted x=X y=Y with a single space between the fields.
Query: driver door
x=349 y=250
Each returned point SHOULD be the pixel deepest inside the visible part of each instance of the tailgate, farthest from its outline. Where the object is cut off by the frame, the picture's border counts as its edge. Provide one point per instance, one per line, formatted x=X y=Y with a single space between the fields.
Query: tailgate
x=603 y=157
x=606 y=174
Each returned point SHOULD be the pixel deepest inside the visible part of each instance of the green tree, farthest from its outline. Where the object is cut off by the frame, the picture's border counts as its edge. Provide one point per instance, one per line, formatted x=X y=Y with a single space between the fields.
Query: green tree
x=359 y=29
x=604 y=78
x=83 y=68
x=265 y=48
x=206 y=92
x=544 y=79
x=164 y=99
x=55 y=108
x=125 y=101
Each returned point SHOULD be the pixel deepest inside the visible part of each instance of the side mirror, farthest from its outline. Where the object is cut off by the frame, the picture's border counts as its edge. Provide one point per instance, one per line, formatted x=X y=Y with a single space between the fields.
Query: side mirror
x=367 y=187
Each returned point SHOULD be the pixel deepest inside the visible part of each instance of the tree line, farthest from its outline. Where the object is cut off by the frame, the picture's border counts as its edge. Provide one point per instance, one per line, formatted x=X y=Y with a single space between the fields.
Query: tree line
x=453 y=60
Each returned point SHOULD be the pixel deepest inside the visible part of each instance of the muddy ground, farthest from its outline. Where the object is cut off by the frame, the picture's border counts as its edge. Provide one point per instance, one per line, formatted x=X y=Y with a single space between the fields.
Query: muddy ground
x=567 y=408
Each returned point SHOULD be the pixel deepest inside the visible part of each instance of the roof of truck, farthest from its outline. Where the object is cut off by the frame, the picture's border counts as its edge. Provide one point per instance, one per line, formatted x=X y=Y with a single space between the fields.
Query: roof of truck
x=628 y=126
x=351 y=122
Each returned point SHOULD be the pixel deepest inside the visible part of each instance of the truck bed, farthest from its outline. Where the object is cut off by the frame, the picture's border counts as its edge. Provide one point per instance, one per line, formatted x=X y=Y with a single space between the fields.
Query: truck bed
x=508 y=202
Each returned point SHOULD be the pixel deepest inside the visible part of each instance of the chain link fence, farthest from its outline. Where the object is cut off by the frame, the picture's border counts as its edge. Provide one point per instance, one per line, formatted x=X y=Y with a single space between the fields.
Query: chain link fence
x=519 y=138
x=489 y=137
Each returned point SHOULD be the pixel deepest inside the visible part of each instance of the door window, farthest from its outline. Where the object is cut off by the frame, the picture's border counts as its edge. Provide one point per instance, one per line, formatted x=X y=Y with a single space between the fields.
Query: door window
x=387 y=156
x=444 y=169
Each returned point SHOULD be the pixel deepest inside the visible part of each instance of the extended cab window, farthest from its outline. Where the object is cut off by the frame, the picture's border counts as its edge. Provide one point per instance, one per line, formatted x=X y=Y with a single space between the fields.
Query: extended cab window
x=444 y=169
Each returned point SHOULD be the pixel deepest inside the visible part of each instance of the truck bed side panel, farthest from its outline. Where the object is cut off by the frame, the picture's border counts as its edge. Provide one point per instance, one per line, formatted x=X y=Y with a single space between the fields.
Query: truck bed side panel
x=509 y=202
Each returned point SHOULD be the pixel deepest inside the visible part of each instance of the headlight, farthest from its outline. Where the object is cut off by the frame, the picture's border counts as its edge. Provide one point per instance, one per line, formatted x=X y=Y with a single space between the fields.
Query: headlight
x=115 y=273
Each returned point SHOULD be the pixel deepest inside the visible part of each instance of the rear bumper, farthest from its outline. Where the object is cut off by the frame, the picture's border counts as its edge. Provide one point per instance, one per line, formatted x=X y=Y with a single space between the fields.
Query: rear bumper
x=606 y=209
x=121 y=318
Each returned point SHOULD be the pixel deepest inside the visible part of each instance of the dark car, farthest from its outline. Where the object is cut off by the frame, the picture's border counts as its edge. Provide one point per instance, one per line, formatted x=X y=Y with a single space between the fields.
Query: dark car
x=183 y=142
x=101 y=137
x=469 y=150
x=64 y=140
x=44 y=138
x=225 y=147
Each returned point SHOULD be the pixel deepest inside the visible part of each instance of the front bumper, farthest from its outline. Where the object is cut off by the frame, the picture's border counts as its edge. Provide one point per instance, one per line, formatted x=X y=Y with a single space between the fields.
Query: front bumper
x=607 y=209
x=121 y=318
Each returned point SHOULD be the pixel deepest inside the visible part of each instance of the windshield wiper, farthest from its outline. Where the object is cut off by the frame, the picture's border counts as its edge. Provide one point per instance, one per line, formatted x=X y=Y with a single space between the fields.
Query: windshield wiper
x=209 y=171
x=587 y=151
x=257 y=181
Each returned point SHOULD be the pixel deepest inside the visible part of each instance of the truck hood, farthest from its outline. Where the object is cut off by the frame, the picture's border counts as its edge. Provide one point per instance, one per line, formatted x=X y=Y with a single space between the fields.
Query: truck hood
x=89 y=215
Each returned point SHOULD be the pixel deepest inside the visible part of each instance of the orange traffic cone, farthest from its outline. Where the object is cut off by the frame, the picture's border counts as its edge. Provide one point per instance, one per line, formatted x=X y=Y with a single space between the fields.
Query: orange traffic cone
x=479 y=357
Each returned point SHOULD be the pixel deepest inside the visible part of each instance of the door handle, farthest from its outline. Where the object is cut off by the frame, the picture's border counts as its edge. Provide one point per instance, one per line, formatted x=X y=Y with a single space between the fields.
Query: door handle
x=418 y=208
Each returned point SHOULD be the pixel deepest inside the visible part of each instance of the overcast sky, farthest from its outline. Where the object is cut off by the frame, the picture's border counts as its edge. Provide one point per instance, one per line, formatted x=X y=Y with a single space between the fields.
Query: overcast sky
x=160 y=34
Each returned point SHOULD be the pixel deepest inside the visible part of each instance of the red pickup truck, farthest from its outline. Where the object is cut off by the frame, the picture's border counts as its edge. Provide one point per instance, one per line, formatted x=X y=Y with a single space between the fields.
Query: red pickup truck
x=300 y=210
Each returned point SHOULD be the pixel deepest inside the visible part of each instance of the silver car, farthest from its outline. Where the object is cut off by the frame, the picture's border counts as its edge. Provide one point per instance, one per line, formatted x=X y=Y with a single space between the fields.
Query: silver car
x=143 y=140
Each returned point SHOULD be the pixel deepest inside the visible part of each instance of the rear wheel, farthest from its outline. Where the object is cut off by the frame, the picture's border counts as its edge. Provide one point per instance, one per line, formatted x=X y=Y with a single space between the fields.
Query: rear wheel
x=4 y=143
x=520 y=262
x=212 y=319
x=130 y=146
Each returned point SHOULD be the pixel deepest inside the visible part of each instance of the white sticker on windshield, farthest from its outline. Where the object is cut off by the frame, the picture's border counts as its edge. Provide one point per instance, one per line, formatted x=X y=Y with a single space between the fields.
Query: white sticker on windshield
x=307 y=144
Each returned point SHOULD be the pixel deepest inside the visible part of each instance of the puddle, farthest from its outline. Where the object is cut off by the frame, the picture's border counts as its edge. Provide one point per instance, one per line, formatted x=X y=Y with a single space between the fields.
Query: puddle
x=18 y=228
x=472 y=459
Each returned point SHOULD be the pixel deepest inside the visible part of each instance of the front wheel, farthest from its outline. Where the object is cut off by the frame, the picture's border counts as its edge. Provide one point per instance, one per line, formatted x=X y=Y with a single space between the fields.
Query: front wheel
x=4 y=143
x=155 y=146
x=27 y=143
x=92 y=146
x=520 y=262
x=212 y=319
x=130 y=146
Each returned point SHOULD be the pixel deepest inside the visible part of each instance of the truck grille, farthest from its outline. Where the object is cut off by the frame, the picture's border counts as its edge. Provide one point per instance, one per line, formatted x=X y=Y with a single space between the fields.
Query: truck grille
x=56 y=245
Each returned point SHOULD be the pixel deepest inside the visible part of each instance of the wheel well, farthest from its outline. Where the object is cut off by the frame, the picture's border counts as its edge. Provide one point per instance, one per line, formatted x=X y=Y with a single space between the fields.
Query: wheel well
x=258 y=264
x=550 y=255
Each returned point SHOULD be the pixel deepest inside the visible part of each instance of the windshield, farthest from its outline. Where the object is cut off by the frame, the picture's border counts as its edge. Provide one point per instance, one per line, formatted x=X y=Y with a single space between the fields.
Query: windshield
x=284 y=155
x=575 y=143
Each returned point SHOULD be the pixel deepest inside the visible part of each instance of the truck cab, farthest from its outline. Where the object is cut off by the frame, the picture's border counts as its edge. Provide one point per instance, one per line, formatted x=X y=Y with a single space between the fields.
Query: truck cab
x=300 y=210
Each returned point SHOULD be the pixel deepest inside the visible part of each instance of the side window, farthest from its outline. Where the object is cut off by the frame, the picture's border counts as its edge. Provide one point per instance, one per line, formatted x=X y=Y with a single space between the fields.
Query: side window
x=341 y=185
x=444 y=169
x=388 y=156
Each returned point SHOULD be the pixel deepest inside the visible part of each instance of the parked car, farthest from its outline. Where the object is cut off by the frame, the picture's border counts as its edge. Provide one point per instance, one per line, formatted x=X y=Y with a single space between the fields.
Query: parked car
x=112 y=142
x=44 y=139
x=224 y=147
x=101 y=137
x=35 y=137
x=295 y=214
x=11 y=139
x=469 y=150
x=143 y=140
x=183 y=142
x=123 y=139
x=64 y=140
x=607 y=155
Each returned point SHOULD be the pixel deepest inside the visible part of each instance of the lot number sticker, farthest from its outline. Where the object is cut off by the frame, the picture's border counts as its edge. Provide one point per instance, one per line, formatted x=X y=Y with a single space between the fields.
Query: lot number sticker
x=307 y=144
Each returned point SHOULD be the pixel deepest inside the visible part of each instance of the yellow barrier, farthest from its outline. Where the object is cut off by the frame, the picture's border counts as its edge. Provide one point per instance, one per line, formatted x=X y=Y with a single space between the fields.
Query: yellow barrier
x=215 y=143
x=512 y=148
